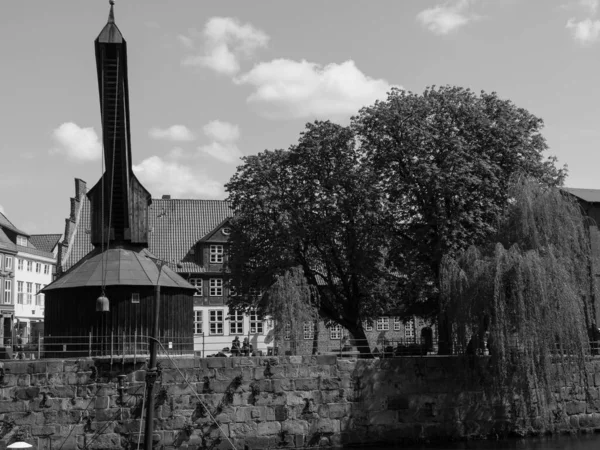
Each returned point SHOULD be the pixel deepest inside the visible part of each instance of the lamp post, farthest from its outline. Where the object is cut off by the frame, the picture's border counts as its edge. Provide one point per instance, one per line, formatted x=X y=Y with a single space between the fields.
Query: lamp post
x=152 y=373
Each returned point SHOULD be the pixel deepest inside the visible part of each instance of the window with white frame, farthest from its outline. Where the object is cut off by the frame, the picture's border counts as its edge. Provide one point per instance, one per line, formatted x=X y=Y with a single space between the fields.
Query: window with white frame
x=29 y=297
x=216 y=254
x=8 y=263
x=254 y=292
x=368 y=325
x=197 y=283
x=198 y=319
x=335 y=332
x=29 y=266
x=236 y=322
x=309 y=330
x=19 y=264
x=383 y=324
x=7 y=292
x=216 y=287
x=1 y=259
x=46 y=269
x=22 y=240
x=135 y=297
x=409 y=329
x=38 y=267
x=256 y=323
x=397 y=323
x=215 y=321
x=38 y=294
x=20 y=292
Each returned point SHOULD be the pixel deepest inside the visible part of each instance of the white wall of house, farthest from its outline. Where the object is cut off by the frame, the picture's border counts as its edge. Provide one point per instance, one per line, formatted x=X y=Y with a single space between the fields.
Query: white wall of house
x=215 y=329
x=32 y=273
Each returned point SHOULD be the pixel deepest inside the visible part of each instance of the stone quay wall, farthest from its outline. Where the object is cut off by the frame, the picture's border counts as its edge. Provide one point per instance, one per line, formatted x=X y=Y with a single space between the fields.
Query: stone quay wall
x=270 y=402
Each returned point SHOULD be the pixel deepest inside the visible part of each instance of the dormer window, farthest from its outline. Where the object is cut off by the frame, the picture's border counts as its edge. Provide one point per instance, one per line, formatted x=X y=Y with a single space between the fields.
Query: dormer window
x=22 y=240
x=226 y=231
x=216 y=254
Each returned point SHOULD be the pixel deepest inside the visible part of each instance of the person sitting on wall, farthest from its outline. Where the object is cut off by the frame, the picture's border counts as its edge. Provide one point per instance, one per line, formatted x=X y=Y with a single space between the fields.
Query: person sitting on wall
x=235 y=347
x=246 y=347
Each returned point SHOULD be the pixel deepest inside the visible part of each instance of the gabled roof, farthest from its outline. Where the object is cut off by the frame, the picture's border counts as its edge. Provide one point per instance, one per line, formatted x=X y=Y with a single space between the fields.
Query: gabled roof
x=175 y=227
x=5 y=223
x=215 y=230
x=587 y=195
x=45 y=242
x=34 y=251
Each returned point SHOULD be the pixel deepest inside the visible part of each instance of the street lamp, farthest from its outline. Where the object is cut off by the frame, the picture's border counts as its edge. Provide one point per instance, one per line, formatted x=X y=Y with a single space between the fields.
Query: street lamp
x=152 y=372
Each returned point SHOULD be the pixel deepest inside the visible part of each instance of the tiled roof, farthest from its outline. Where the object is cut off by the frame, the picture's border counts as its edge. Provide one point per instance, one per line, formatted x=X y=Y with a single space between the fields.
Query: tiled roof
x=45 y=242
x=34 y=251
x=175 y=226
x=128 y=266
x=5 y=223
x=588 y=195
x=6 y=243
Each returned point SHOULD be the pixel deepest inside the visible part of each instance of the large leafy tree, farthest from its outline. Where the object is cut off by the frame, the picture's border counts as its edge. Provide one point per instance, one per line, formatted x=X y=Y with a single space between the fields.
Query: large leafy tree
x=316 y=206
x=445 y=160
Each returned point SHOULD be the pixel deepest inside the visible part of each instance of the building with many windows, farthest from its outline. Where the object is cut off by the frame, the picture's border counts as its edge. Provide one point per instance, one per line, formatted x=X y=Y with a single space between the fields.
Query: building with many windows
x=25 y=269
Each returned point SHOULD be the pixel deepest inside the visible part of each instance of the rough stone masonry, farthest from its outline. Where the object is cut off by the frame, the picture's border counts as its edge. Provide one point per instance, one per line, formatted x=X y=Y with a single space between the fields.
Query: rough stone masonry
x=269 y=402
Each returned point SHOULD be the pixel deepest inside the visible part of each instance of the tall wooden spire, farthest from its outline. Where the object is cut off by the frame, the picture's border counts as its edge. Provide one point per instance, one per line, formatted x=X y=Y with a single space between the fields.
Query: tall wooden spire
x=122 y=206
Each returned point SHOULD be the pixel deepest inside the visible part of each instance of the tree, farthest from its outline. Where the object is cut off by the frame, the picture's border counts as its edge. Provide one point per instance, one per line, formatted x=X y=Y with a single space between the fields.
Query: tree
x=290 y=302
x=529 y=289
x=445 y=159
x=316 y=206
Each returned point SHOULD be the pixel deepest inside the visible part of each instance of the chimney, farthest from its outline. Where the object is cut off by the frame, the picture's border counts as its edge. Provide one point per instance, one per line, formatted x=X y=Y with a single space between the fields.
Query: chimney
x=166 y=197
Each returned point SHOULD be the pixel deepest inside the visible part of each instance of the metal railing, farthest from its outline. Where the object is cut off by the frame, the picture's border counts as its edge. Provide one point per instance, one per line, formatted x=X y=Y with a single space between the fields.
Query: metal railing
x=114 y=346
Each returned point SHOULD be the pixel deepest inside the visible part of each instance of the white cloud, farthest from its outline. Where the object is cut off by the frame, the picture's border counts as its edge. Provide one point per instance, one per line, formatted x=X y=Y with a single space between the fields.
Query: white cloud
x=590 y=5
x=222 y=131
x=223 y=146
x=186 y=41
x=76 y=143
x=291 y=89
x=178 y=133
x=443 y=19
x=179 y=181
x=585 y=31
x=226 y=42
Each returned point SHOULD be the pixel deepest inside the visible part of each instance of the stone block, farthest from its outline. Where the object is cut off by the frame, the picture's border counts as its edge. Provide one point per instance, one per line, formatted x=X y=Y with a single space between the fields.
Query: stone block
x=102 y=402
x=12 y=407
x=326 y=426
x=296 y=427
x=306 y=384
x=278 y=413
x=283 y=384
x=243 y=429
x=339 y=410
x=330 y=383
x=328 y=360
x=268 y=428
x=213 y=363
x=346 y=365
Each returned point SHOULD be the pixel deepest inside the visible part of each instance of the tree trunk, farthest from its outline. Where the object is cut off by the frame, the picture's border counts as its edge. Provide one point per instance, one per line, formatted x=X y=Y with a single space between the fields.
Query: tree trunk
x=444 y=334
x=360 y=341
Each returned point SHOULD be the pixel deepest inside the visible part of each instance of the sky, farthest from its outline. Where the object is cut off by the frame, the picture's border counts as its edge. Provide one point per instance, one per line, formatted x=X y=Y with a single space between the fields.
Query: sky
x=210 y=82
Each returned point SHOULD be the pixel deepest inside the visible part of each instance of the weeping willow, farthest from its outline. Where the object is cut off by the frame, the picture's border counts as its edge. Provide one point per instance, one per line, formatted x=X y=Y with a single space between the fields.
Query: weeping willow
x=527 y=298
x=291 y=303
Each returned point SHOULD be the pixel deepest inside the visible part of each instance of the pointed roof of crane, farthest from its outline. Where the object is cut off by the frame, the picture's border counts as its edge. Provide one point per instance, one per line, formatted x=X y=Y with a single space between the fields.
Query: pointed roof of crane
x=110 y=34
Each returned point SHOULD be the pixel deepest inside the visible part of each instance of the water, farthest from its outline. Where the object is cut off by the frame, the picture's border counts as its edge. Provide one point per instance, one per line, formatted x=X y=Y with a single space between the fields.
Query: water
x=579 y=442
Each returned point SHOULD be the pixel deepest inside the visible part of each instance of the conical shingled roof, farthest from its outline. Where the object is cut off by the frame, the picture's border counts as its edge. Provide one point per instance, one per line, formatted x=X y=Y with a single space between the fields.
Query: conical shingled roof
x=110 y=33
x=124 y=266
